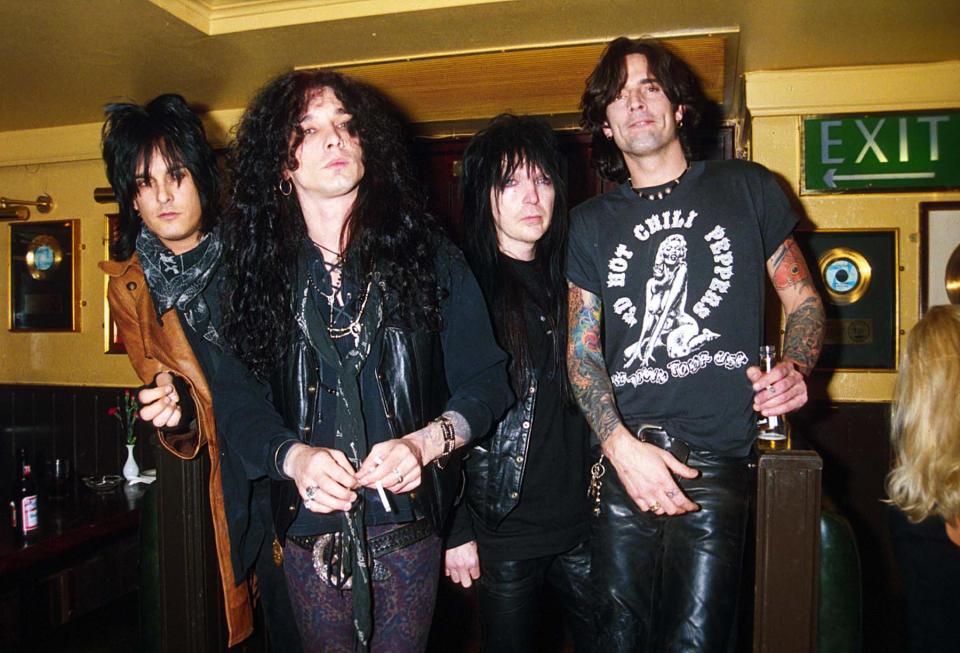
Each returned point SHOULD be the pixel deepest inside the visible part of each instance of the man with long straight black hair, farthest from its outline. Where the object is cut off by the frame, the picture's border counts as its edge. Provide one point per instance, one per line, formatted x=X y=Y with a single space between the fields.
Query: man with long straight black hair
x=524 y=524
x=164 y=296
x=667 y=280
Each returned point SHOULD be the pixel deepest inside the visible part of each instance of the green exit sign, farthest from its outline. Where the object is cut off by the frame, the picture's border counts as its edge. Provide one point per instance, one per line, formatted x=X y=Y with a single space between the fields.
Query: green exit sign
x=894 y=151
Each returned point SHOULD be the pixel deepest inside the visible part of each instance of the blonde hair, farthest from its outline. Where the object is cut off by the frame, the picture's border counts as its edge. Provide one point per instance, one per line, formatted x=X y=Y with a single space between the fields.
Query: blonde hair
x=925 y=419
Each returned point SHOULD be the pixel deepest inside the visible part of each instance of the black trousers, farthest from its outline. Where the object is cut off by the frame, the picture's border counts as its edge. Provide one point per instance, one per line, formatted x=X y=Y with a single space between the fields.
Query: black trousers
x=511 y=599
x=671 y=583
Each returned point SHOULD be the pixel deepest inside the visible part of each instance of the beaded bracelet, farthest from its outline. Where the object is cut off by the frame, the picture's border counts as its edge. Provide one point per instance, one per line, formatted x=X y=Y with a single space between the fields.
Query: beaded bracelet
x=449 y=437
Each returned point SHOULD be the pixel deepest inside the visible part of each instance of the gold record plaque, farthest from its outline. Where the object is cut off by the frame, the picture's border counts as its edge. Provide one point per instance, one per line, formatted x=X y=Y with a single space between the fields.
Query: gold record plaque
x=952 y=277
x=846 y=275
x=44 y=256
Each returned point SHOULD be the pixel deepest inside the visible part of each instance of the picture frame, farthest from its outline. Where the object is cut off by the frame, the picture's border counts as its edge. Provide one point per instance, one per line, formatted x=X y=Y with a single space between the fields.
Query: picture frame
x=856 y=272
x=112 y=341
x=939 y=249
x=44 y=287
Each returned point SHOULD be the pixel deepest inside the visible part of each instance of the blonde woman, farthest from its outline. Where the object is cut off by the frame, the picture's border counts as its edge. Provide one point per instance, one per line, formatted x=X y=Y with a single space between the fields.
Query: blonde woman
x=925 y=481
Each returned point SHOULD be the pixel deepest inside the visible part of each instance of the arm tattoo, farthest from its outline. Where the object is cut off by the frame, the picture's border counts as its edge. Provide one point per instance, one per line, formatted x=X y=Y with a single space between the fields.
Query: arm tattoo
x=804 y=335
x=805 y=319
x=789 y=268
x=587 y=369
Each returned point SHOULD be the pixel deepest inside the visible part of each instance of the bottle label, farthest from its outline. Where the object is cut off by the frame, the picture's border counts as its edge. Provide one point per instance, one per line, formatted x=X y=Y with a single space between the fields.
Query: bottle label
x=29 y=508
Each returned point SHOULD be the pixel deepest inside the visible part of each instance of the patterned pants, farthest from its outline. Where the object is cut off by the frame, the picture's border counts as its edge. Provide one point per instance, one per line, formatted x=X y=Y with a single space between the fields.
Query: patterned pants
x=402 y=603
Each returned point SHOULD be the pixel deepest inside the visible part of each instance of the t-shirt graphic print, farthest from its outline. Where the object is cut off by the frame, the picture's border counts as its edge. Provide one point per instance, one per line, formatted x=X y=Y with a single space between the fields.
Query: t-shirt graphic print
x=681 y=282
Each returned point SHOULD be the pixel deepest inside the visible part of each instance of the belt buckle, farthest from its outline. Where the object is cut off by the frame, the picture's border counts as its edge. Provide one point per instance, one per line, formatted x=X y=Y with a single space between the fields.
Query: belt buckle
x=678 y=448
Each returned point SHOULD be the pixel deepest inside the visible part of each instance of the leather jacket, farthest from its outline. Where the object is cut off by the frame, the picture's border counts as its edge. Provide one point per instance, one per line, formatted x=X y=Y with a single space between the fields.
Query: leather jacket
x=153 y=348
x=410 y=378
x=495 y=467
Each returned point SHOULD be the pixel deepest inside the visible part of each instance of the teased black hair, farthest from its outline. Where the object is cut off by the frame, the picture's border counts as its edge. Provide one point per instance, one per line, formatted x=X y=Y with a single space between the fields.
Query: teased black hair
x=130 y=135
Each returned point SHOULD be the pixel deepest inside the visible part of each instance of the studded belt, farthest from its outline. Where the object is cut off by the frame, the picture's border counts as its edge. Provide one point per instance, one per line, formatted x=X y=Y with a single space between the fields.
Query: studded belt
x=382 y=544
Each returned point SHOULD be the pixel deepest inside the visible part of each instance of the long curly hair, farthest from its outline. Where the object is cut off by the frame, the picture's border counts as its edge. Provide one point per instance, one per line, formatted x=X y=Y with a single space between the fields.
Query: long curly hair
x=925 y=423
x=387 y=230
x=679 y=83
x=490 y=160
x=130 y=135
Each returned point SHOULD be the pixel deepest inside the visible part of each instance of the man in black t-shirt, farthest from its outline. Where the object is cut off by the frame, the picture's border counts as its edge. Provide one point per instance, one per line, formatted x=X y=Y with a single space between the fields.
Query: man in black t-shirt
x=666 y=277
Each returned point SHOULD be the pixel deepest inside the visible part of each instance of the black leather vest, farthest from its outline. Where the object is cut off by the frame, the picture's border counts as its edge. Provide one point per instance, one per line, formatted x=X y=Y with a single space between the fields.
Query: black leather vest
x=495 y=467
x=410 y=377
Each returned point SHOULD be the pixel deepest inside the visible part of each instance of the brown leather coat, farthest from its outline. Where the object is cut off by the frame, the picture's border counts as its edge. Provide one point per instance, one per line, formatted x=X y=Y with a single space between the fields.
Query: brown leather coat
x=153 y=349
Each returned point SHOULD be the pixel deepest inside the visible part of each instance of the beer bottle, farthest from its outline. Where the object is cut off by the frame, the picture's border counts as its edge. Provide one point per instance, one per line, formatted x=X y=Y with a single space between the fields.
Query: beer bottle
x=23 y=500
x=770 y=428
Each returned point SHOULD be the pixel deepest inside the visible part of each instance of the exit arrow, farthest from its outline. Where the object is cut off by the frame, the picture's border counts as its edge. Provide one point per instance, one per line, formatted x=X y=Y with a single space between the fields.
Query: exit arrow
x=831 y=177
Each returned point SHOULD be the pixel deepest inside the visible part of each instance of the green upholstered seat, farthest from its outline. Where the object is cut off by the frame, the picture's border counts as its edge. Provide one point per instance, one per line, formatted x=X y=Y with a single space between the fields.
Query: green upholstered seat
x=840 y=624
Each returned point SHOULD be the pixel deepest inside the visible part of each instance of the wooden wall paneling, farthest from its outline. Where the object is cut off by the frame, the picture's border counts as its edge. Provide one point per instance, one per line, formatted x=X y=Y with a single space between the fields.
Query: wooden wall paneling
x=68 y=421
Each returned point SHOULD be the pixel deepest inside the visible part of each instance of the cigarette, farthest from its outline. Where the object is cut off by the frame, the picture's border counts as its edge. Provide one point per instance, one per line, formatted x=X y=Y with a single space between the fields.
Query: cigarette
x=383 y=497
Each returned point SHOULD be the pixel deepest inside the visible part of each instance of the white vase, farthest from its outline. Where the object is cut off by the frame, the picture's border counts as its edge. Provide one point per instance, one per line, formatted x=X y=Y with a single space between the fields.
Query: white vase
x=130 y=468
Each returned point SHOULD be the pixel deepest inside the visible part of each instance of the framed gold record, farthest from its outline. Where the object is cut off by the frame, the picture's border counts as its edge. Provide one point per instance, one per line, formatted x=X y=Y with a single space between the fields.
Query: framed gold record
x=951 y=279
x=939 y=254
x=44 y=256
x=858 y=281
x=44 y=292
x=845 y=273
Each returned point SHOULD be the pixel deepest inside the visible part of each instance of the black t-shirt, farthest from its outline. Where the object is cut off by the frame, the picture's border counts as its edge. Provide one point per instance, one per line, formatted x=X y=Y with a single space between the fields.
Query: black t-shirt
x=681 y=280
x=552 y=515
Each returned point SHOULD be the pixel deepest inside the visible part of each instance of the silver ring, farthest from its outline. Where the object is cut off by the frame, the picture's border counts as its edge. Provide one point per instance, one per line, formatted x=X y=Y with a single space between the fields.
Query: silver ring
x=396 y=472
x=671 y=493
x=311 y=492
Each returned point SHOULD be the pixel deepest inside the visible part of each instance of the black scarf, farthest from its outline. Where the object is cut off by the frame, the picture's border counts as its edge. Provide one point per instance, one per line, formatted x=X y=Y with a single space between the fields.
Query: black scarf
x=178 y=281
x=351 y=434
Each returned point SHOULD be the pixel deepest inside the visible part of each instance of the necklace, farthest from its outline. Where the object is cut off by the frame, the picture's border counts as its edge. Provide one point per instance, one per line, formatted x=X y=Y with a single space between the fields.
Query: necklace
x=326 y=249
x=353 y=327
x=663 y=192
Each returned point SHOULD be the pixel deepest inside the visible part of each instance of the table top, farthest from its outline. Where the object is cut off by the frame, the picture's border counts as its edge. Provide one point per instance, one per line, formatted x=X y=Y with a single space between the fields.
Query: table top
x=69 y=524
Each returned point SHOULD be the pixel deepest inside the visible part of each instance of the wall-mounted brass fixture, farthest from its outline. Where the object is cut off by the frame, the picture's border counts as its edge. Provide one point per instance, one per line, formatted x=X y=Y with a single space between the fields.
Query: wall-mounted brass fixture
x=11 y=209
x=104 y=195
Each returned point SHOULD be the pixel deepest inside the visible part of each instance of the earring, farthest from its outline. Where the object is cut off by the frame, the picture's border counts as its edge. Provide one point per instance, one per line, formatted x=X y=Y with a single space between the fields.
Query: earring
x=285 y=190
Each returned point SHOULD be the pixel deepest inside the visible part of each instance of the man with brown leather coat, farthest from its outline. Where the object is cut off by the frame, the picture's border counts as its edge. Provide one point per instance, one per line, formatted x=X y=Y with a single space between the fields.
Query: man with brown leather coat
x=164 y=296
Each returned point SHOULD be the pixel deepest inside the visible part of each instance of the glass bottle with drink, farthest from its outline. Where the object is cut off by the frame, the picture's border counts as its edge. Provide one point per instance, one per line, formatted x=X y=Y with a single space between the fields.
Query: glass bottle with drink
x=24 y=513
x=772 y=428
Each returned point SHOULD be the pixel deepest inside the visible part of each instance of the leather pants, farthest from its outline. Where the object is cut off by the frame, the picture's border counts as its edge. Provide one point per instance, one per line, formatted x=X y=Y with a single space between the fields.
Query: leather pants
x=671 y=583
x=511 y=599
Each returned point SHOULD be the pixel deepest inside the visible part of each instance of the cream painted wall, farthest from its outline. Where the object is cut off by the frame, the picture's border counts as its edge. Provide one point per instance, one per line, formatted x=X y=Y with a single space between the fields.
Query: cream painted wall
x=62 y=358
x=65 y=163
x=777 y=102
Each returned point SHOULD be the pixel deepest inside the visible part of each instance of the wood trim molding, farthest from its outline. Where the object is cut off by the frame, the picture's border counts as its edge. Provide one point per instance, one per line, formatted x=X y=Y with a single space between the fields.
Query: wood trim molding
x=214 y=17
x=853 y=89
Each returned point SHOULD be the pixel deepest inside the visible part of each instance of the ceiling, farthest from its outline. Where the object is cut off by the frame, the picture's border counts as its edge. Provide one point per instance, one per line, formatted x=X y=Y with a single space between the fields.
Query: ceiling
x=65 y=59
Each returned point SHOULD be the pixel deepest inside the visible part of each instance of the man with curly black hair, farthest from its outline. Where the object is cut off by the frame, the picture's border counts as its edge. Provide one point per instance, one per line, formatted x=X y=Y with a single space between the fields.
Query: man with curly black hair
x=666 y=278
x=164 y=294
x=364 y=357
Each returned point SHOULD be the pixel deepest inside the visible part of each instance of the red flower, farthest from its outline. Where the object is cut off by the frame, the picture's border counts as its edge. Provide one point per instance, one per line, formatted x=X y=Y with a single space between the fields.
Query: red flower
x=112 y=412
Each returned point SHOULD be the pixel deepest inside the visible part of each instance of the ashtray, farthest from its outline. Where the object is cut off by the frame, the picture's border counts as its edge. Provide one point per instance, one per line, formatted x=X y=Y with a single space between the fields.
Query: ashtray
x=103 y=482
